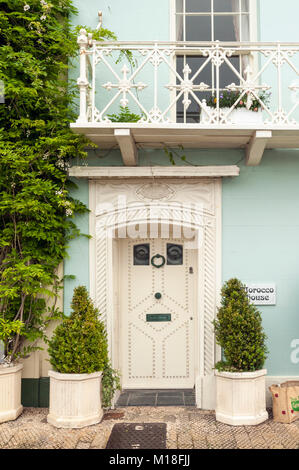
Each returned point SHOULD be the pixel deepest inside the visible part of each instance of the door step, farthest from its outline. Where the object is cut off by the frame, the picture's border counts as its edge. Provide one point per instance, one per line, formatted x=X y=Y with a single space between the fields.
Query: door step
x=161 y=397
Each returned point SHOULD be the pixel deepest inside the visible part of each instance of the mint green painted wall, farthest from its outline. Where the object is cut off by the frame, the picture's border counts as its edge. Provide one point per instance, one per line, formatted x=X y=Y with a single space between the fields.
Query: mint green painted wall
x=260 y=237
x=260 y=207
x=261 y=244
x=278 y=21
x=77 y=263
x=130 y=20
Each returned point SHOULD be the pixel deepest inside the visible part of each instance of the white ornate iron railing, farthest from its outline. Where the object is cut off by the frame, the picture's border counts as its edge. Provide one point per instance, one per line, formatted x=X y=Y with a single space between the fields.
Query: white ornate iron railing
x=156 y=82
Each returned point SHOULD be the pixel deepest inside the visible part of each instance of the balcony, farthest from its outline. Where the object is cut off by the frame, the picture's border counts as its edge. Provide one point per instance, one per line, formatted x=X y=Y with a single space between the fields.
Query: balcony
x=177 y=91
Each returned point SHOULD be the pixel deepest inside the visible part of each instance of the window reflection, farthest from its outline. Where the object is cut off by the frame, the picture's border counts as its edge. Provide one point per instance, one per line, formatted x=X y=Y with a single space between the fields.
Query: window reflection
x=196 y=24
x=174 y=254
x=198 y=28
x=141 y=254
x=226 y=5
x=198 y=6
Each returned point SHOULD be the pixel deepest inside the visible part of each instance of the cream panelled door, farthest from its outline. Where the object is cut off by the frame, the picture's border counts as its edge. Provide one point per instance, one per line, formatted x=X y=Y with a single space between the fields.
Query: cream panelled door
x=157 y=313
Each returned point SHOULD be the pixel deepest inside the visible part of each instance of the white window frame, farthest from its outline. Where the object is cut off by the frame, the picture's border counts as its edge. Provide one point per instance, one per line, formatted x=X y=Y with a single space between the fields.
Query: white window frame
x=253 y=36
x=252 y=20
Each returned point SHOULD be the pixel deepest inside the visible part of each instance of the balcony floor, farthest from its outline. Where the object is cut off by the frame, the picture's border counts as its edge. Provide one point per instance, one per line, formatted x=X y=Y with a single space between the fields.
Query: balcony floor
x=131 y=136
x=188 y=135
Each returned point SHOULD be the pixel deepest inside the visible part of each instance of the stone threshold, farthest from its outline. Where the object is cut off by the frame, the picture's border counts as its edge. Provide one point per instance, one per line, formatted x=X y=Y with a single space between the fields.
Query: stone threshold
x=156 y=397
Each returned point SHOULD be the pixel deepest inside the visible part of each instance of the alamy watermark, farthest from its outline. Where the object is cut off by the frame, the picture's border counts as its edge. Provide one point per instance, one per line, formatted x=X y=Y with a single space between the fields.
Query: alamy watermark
x=139 y=220
x=295 y=351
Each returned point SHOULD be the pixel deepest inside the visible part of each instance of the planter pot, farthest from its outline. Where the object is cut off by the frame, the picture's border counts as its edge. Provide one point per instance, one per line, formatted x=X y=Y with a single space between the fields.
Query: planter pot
x=237 y=116
x=75 y=399
x=241 y=397
x=10 y=392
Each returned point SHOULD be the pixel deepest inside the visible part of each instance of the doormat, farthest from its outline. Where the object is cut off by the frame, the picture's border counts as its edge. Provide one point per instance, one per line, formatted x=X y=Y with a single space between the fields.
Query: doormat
x=137 y=436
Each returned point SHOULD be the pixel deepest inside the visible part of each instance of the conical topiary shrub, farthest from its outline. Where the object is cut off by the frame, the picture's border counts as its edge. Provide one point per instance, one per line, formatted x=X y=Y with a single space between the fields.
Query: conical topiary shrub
x=239 y=331
x=79 y=344
x=83 y=380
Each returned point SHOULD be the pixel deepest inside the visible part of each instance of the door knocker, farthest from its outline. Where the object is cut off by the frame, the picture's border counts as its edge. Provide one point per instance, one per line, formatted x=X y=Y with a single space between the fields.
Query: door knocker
x=160 y=263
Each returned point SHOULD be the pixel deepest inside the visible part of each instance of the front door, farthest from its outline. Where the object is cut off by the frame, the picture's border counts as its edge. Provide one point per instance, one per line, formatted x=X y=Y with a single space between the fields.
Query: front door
x=157 y=313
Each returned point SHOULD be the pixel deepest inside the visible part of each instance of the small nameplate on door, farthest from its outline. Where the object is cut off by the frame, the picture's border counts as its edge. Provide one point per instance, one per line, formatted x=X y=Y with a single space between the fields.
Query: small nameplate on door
x=158 y=317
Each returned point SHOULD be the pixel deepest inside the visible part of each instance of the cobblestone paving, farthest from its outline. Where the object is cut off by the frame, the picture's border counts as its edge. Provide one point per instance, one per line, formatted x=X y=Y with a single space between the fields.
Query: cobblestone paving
x=187 y=428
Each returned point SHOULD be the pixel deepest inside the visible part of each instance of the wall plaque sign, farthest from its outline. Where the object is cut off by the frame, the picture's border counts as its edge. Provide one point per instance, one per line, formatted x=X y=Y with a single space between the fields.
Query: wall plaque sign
x=158 y=317
x=261 y=293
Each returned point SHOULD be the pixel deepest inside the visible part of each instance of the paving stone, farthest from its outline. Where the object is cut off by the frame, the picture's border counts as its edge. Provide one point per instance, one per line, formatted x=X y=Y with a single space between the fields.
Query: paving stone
x=186 y=429
x=83 y=445
x=222 y=441
x=185 y=441
x=172 y=444
x=169 y=418
x=200 y=442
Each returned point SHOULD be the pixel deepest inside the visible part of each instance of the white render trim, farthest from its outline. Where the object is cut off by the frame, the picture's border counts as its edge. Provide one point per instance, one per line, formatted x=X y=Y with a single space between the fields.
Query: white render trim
x=172 y=28
x=104 y=280
x=218 y=215
x=92 y=240
x=256 y=147
x=253 y=34
x=253 y=21
x=94 y=172
x=127 y=146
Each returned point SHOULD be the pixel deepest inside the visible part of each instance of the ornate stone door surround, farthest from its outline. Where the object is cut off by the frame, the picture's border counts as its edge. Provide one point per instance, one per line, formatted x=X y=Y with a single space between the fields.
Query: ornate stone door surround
x=116 y=205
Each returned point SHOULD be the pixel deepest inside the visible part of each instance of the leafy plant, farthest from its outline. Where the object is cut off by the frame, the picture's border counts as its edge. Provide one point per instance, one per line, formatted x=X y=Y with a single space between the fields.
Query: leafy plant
x=36 y=147
x=79 y=344
x=8 y=330
x=172 y=153
x=239 y=331
x=110 y=383
x=124 y=115
x=228 y=98
x=104 y=34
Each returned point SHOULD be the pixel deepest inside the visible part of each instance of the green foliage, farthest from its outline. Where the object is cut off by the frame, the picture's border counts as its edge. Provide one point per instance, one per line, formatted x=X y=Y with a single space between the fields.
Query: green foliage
x=239 y=331
x=110 y=383
x=36 y=146
x=172 y=153
x=8 y=330
x=101 y=34
x=79 y=343
x=228 y=98
x=124 y=115
x=104 y=34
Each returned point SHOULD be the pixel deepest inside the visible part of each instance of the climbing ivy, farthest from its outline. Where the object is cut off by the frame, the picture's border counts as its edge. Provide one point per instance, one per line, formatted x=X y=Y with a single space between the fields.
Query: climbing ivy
x=36 y=146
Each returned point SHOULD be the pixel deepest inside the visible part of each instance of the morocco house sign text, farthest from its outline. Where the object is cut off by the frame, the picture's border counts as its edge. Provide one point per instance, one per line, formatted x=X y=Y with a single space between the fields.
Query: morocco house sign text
x=261 y=293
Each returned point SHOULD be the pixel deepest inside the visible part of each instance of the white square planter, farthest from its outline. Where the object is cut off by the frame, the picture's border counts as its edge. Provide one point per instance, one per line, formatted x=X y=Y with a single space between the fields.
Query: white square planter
x=75 y=399
x=237 y=116
x=241 y=397
x=10 y=392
